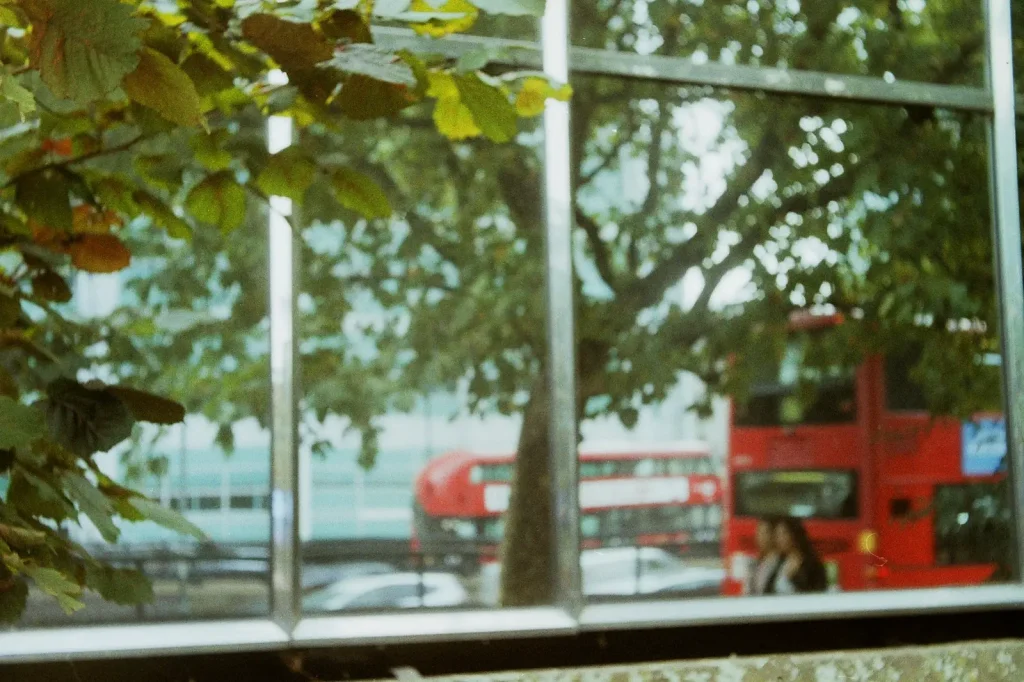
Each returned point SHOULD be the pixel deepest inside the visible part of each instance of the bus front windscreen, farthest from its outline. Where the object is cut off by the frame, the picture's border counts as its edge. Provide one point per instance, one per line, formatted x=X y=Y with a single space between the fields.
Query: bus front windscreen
x=817 y=494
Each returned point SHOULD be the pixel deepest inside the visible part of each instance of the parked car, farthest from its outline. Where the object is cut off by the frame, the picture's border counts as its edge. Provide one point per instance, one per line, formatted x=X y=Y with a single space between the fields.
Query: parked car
x=623 y=571
x=685 y=582
x=319 y=576
x=389 y=591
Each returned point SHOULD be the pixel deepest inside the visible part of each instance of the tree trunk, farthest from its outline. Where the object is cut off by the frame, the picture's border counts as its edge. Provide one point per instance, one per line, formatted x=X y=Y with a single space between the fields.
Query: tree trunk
x=527 y=554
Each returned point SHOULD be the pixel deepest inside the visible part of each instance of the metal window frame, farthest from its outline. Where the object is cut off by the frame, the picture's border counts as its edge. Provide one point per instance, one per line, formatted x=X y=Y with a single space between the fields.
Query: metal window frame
x=285 y=625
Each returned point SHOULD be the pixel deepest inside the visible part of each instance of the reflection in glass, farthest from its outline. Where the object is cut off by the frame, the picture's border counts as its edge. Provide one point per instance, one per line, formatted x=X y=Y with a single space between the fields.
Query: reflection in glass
x=422 y=343
x=825 y=268
x=188 y=320
x=940 y=42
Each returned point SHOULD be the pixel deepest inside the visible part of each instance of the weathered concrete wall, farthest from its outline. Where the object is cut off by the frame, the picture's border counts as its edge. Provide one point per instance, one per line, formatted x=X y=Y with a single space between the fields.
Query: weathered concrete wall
x=968 y=662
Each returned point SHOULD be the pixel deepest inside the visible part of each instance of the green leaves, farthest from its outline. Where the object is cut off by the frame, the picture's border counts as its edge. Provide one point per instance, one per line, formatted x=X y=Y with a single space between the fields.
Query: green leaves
x=83 y=49
x=372 y=61
x=19 y=424
x=55 y=584
x=359 y=193
x=218 y=200
x=14 y=93
x=147 y=407
x=85 y=420
x=44 y=197
x=93 y=503
x=161 y=85
x=119 y=586
x=162 y=215
x=167 y=518
x=289 y=173
x=491 y=109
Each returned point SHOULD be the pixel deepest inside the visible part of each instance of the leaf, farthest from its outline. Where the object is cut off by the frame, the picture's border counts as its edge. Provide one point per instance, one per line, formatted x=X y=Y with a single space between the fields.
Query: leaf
x=437 y=28
x=289 y=173
x=100 y=253
x=13 y=598
x=492 y=112
x=83 y=49
x=363 y=98
x=162 y=215
x=147 y=407
x=359 y=193
x=12 y=91
x=347 y=25
x=295 y=46
x=93 y=503
x=55 y=584
x=21 y=537
x=372 y=61
x=513 y=8
x=19 y=424
x=44 y=196
x=534 y=93
x=10 y=311
x=207 y=76
x=167 y=518
x=85 y=420
x=32 y=495
x=85 y=219
x=161 y=85
x=453 y=119
x=218 y=200
x=50 y=286
x=118 y=585
x=210 y=152
x=225 y=439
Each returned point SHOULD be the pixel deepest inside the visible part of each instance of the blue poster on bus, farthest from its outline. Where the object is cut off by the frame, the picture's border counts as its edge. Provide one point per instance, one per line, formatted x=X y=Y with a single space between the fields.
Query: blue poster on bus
x=984 y=446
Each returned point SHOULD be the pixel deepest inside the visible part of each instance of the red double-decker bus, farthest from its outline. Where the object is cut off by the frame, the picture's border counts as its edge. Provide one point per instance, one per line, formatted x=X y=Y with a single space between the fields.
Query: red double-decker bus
x=890 y=494
x=664 y=495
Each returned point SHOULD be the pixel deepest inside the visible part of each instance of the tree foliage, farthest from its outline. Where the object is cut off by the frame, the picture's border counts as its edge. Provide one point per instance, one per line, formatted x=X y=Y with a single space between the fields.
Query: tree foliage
x=130 y=133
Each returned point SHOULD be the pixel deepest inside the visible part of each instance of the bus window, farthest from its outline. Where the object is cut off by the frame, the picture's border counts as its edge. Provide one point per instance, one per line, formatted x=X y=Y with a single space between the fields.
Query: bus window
x=646 y=467
x=464 y=529
x=598 y=469
x=972 y=525
x=902 y=392
x=820 y=494
x=590 y=526
x=792 y=392
x=705 y=467
x=496 y=473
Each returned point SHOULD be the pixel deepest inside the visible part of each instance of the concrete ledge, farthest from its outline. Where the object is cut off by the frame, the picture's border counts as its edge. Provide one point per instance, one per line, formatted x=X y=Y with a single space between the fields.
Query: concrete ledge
x=968 y=662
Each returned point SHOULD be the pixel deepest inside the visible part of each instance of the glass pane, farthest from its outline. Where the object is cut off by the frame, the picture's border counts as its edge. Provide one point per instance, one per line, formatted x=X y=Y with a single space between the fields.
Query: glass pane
x=803 y=290
x=940 y=42
x=422 y=340
x=188 y=320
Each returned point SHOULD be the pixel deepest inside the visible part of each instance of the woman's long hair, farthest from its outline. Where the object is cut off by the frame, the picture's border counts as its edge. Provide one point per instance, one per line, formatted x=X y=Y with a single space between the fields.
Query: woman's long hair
x=801 y=539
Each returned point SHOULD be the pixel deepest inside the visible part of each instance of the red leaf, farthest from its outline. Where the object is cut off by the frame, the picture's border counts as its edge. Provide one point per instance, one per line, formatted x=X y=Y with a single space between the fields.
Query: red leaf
x=100 y=253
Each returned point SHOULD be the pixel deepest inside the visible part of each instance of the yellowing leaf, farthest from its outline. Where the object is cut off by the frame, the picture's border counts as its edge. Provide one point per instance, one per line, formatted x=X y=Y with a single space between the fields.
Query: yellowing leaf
x=100 y=253
x=161 y=85
x=437 y=28
x=453 y=119
x=218 y=200
x=83 y=49
x=534 y=92
x=55 y=584
x=87 y=220
x=359 y=193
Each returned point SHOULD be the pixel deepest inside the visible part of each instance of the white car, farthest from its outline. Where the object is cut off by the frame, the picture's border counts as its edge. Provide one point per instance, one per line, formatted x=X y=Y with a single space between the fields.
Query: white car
x=389 y=591
x=617 y=570
x=694 y=581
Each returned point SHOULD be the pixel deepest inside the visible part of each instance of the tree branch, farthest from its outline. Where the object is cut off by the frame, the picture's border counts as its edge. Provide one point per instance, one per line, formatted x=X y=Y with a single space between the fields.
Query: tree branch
x=61 y=165
x=601 y=256
x=648 y=290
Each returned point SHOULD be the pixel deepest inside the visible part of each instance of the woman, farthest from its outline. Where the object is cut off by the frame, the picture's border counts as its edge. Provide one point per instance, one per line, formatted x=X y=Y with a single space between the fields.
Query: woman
x=800 y=569
x=762 y=578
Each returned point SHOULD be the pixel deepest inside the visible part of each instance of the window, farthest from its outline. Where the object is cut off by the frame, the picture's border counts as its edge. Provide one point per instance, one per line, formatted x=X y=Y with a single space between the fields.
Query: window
x=972 y=524
x=802 y=494
x=901 y=391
